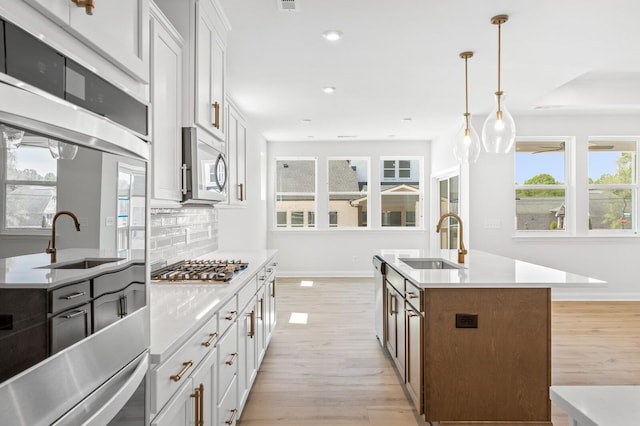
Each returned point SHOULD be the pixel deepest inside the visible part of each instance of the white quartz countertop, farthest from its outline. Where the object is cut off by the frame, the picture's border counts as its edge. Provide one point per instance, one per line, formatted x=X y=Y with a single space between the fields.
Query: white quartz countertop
x=599 y=405
x=32 y=271
x=179 y=310
x=482 y=270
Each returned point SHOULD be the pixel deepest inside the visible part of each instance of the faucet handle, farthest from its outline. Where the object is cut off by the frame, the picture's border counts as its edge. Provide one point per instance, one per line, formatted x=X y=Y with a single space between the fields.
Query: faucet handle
x=49 y=249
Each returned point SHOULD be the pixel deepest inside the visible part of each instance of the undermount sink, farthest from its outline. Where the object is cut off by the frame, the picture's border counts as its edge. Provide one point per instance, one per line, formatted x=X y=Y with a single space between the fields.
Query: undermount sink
x=83 y=264
x=417 y=263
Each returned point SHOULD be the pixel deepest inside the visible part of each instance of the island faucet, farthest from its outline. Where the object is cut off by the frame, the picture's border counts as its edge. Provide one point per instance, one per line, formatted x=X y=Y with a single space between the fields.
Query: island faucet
x=461 y=250
x=51 y=248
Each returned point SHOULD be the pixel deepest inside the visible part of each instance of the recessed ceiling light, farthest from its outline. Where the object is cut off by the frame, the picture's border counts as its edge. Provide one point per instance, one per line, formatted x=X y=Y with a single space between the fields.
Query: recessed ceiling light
x=306 y=120
x=329 y=89
x=407 y=119
x=391 y=136
x=332 y=35
x=310 y=137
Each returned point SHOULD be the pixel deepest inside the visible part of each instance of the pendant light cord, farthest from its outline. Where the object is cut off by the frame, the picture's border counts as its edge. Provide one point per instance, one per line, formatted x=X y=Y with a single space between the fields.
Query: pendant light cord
x=466 y=91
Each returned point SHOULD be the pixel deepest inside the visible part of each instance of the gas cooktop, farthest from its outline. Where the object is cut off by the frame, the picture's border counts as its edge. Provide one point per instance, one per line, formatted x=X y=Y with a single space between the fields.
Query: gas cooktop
x=199 y=271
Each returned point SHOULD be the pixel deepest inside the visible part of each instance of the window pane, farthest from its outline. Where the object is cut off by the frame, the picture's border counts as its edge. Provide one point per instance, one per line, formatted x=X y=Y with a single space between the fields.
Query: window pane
x=281 y=219
x=612 y=162
x=333 y=219
x=295 y=191
x=610 y=209
x=31 y=163
x=390 y=173
x=351 y=208
x=411 y=218
x=404 y=173
x=311 y=219
x=540 y=209
x=297 y=218
x=347 y=175
x=389 y=164
x=396 y=206
x=453 y=194
x=405 y=164
x=30 y=206
x=540 y=163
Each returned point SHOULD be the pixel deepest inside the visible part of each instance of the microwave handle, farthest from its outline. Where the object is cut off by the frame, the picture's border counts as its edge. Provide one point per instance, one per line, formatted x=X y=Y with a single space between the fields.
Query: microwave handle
x=184 y=178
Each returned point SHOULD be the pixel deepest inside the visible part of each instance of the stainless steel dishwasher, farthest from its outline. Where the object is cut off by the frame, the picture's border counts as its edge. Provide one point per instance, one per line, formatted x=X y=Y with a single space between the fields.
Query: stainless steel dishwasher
x=378 y=282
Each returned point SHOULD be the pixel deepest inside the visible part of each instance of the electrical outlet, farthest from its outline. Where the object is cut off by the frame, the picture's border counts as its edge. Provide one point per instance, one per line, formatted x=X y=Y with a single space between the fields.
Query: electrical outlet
x=466 y=320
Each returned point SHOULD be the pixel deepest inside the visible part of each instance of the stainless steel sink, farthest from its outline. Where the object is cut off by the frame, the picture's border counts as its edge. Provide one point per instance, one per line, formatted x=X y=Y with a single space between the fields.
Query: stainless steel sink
x=83 y=264
x=417 y=263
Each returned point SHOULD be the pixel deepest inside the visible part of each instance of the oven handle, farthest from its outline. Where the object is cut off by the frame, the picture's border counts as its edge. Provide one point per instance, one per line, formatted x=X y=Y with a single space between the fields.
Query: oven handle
x=118 y=398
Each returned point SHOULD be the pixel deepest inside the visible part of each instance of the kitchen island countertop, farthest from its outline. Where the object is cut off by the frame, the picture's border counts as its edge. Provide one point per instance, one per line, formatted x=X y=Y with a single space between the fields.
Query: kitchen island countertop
x=482 y=270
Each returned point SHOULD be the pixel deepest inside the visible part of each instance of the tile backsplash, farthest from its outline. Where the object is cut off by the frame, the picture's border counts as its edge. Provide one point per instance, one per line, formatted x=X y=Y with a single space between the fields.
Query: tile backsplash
x=178 y=234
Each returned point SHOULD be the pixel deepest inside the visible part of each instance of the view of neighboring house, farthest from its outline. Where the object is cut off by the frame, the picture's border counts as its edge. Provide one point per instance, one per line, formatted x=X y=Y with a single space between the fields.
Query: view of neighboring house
x=348 y=193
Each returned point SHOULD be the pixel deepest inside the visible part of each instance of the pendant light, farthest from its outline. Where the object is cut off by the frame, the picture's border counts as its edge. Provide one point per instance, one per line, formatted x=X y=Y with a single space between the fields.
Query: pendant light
x=12 y=137
x=62 y=150
x=467 y=144
x=499 y=129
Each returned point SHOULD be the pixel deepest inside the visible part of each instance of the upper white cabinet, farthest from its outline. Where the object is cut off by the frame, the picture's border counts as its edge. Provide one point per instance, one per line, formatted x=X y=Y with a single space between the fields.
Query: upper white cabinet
x=117 y=29
x=166 y=101
x=237 y=156
x=204 y=27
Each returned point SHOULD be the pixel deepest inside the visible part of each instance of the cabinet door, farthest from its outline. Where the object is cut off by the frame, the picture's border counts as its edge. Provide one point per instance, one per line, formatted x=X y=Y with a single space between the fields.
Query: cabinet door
x=247 y=351
x=415 y=375
x=391 y=318
x=117 y=29
x=166 y=99
x=236 y=154
x=272 y=305
x=241 y=161
x=205 y=389
x=210 y=66
x=180 y=409
x=261 y=323
x=69 y=327
x=107 y=309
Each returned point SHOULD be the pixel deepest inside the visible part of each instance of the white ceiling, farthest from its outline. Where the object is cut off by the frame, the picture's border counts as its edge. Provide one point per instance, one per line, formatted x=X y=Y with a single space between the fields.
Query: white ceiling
x=400 y=59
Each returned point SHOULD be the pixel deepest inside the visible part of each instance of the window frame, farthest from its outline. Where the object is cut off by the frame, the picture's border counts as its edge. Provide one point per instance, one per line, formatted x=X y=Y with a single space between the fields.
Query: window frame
x=27 y=140
x=634 y=187
x=289 y=226
x=359 y=194
x=568 y=186
x=419 y=216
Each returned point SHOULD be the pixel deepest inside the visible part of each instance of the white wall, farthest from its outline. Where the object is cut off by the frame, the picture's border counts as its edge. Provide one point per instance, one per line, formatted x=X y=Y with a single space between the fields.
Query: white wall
x=339 y=252
x=492 y=206
x=244 y=228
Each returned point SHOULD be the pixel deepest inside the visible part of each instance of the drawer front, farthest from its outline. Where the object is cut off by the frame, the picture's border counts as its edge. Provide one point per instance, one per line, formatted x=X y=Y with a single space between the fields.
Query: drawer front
x=247 y=293
x=414 y=296
x=228 y=360
x=227 y=315
x=69 y=327
x=118 y=280
x=72 y=295
x=167 y=377
x=396 y=280
x=270 y=269
x=228 y=408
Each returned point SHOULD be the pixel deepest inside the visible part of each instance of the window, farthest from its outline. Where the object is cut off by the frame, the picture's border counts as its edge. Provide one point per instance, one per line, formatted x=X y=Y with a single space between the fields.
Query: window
x=333 y=219
x=613 y=184
x=449 y=190
x=29 y=179
x=540 y=189
x=311 y=219
x=400 y=192
x=348 y=191
x=295 y=191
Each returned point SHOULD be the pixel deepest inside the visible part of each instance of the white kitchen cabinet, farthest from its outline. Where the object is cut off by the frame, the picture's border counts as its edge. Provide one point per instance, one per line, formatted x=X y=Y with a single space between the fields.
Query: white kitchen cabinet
x=166 y=100
x=117 y=29
x=204 y=27
x=261 y=323
x=179 y=411
x=271 y=300
x=247 y=367
x=236 y=156
x=204 y=390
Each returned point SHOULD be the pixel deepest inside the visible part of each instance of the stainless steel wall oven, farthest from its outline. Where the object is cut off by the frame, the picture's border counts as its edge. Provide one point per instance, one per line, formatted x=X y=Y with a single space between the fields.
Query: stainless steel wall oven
x=76 y=353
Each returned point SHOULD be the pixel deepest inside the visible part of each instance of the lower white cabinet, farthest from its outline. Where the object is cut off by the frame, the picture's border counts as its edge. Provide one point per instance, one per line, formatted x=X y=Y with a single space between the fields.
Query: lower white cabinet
x=208 y=379
x=179 y=411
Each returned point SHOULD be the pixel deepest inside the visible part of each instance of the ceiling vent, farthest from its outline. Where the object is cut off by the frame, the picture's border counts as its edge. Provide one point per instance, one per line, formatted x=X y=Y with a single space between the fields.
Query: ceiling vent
x=287 y=5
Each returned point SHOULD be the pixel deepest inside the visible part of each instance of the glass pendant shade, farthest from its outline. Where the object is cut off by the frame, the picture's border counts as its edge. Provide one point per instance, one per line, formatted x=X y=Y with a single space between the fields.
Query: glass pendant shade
x=466 y=148
x=13 y=137
x=499 y=129
x=62 y=150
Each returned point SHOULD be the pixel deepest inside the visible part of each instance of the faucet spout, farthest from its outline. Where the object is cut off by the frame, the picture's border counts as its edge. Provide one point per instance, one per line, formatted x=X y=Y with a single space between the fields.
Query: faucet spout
x=461 y=249
x=51 y=248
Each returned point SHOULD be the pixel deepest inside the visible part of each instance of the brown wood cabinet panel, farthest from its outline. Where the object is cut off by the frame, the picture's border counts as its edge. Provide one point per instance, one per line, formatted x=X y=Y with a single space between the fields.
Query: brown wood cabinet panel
x=499 y=371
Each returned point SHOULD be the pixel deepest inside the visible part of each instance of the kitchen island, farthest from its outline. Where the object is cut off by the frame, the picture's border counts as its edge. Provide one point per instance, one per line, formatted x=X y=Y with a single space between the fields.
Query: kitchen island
x=472 y=342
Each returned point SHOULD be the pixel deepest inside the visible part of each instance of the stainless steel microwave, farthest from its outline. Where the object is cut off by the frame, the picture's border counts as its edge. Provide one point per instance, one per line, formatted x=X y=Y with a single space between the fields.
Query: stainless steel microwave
x=204 y=169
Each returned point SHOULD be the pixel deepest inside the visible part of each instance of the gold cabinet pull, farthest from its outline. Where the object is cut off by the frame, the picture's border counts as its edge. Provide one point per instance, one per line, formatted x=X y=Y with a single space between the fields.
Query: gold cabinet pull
x=273 y=286
x=199 y=408
x=261 y=316
x=241 y=185
x=252 y=328
x=412 y=295
x=87 y=4
x=412 y=314
x=231 y=315
x=212 y=337
x=233 y=358
x=216 y=114
x=233 y=417
x=185 y=367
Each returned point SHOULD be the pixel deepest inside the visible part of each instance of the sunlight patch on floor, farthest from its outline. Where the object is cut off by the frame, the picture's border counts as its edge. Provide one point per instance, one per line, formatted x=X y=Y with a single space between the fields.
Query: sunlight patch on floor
x=298 y=318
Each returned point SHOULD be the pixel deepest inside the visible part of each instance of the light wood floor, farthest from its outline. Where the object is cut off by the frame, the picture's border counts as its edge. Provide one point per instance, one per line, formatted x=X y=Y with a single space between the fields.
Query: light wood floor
x=332 y=371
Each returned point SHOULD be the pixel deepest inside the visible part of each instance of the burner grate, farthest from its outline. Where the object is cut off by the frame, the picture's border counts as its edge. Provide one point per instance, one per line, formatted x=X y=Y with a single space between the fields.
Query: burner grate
x=207 y=270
